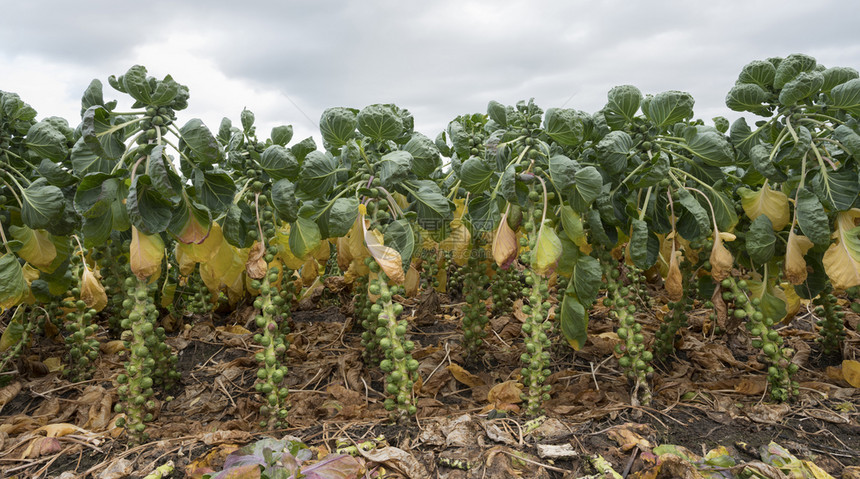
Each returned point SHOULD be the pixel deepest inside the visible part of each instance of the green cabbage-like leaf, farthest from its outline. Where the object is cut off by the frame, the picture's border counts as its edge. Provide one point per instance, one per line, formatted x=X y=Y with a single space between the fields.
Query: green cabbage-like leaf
x=846 y=97
x=498 y=113
x=849 y=139
x=42 y=204
x=425 y=155
x=432 y=207
x=337 y=126
x=47 y=141
x=279 y=162
x=839 y=189
x=215 y=189
x=761 y=240
x=95 y=124
x=802 y=86
x=837 y=76
x=238 y=221
x=644 y=245
x=399 y=235
x=318 y=174
x=669 y=107
x=394 y=168
x=613 y=149
x=567 y=126
x=762 y=162
x=748 y=97
x=476 y=176
x=337 y=220
x=812 y=218
x=284 y=200
x=148 y=210
x=282 y=134
x=792 y=66
x=379 y=122
x=304 y=237
x=623 y=101
x=197 y=137
x=562 y=171
x=758 y=72
x=303 y=148
x=13 y=287
x=711 y=147
x=586 y=187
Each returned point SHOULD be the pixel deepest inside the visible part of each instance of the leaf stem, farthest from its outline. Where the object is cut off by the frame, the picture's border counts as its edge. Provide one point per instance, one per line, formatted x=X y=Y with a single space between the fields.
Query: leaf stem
x=116 y=128
x=14 y=193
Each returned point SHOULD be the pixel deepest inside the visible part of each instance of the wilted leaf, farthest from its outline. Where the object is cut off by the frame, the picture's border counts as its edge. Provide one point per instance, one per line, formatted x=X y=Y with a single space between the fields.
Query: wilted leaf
x=388 y=258
x=851 y=372
x=842 y=258
x=507 y=392
x=37 y=248
x=674 y=282
x=256 y=265
x=92 y=291
x=795 y=264
x=721 y=259
x=547 y=251
x=504 y=244
x=411 y=283
x=464 y=376
x=768 y=202
x=145 y=254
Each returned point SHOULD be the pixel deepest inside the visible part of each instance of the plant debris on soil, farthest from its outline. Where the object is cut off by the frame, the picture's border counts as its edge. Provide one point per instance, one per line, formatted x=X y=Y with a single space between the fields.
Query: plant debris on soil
x=710 y=396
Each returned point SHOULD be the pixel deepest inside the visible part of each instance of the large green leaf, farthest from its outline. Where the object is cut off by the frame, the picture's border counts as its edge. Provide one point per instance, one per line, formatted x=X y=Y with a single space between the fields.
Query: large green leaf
x=215 y=189
x=394 y=168
x=587 y=185
x=613 y=149
x=55 y=174
x=742 y=137
x=95 y=193
x=498 y=113
x=812 y=218
x=667 y=108
x=42 y=204
x=148 y=210
x=379 y=122
x=562 y=171
x=284 y=200
x=573 y=320
x=837 y=76
x=849 y=139
x=846 y=97
x=434 y=210
x=337 y=126
x=399 y=235
x=237 y=223
x=338 y=218
x=759 y=72
x=476 y=176
x=763 y=163
x=93 y=95
x=197 y=137
x=802 y=86
x=567 y=126
x=13 y=287
x=711 y=147
x=483 y=213
x=95 y=124
x=164 y=179
x=425 y=155
x=318 y=174
x=279 y=162
x=761 y=240
x=96 y=230
x=623 y=101
x=301 y=149
x=724 y=210
x=304 y=237
x=84 y=161
x=644 y=245
x=696 y=210
x=790 y=67
x=282 y=134
x=47 y=141
x=838 y=190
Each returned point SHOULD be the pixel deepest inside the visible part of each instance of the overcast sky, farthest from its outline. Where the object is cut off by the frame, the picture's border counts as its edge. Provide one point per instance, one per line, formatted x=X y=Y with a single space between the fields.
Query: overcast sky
x=288 y=61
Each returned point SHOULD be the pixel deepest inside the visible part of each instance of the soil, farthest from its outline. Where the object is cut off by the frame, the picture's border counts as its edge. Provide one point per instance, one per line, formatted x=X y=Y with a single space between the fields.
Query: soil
x=709 y=394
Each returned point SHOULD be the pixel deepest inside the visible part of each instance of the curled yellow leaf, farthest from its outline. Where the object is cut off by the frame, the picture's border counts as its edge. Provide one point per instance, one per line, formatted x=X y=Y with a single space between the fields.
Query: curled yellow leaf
x=145 y=254
x=458 y=243
x=504 y=244
x=386 y=257
x=547 y=251
x=768 y=202
x=37 y=247
x=411 y=283
x=674 y=283
x=92 y=291
x=256 y=266
x=842 y=258
x=721 y=260
x=795 y=265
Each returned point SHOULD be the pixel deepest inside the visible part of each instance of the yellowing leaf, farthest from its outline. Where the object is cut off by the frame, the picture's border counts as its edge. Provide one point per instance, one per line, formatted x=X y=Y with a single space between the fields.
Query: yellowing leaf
x=851 y=372
x=768 y=202
x=842 y=258
x=547 y=251
x=199 y=253
x=674 y=282
x=508 y=392
x=92 y=291
x=145 y=254
x=464 y=376
x=459 y=243
x=37 y=248
x=792 y=300
x=721 y=260
x=310 y=272
x=256 y=265
x=411 y=283
x=388 y=258
x=795 y=265
x=54 y=364
x=505 y=244
x=459 y=211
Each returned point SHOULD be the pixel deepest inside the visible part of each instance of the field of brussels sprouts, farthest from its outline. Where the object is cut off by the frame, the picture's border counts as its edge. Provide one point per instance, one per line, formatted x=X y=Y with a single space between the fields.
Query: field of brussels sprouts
x=531 y=292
